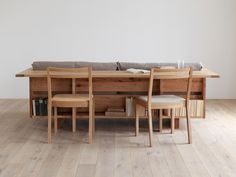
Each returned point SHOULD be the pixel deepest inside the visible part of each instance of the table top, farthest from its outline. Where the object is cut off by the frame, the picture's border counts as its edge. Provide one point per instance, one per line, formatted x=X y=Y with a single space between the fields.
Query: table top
x=204 y=73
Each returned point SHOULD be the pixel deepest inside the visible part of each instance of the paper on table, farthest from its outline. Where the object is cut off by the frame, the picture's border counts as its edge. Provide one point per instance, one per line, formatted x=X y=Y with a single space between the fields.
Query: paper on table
x=135 y=71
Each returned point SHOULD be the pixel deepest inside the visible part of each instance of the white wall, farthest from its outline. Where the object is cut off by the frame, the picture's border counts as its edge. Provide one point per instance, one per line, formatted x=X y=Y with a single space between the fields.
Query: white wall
x=125 y=30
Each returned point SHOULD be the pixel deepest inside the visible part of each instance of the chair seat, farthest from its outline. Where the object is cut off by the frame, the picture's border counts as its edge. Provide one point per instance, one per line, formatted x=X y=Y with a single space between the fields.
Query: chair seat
x=70 y=100
x=163 y=100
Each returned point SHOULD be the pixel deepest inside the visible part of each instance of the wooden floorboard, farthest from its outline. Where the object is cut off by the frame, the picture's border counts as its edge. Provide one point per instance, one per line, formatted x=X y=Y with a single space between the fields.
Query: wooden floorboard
x=115 y=151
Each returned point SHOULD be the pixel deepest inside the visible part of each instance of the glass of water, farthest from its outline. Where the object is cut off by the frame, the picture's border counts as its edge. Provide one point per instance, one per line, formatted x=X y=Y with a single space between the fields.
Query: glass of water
x=180 y=64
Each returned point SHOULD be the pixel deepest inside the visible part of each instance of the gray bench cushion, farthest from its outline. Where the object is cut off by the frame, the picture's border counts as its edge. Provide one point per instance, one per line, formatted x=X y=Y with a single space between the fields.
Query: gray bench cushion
x=147 y=66
x=126 y=65
x=195 y=66
x=97 y=66
x=43 y=65
x=107 y=66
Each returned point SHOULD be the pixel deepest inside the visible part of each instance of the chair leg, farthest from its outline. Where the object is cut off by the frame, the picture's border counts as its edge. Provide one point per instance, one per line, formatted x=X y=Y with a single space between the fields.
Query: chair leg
x=49 y=124
x=150 y=126
x=189 y=129
x=172 y=121
x=160 y=120
x=94 y=118
x=137 y=120
x=90 y=122
x=73 y=119
x=55 y=120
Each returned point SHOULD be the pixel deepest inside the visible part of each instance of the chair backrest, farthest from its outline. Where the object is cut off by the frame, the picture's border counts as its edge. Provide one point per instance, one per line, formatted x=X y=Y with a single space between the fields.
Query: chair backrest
x=164 y=74
x=69 y=73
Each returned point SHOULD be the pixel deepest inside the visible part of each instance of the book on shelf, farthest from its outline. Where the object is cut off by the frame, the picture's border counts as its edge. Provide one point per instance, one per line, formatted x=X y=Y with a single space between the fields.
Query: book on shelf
x=130 y=107
x=34 y=107
x=45 y=104
x=109 y=113
x=115 y=109
x=115 y=112
x=39 y=107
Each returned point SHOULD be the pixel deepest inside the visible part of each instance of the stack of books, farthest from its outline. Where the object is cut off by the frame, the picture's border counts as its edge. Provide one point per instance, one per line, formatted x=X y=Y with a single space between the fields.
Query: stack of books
x=196 y=109
x=115 y=112
x=40 y=107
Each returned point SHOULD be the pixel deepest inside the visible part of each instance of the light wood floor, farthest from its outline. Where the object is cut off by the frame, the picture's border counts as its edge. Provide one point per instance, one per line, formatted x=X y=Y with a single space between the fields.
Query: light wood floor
x=115 y=151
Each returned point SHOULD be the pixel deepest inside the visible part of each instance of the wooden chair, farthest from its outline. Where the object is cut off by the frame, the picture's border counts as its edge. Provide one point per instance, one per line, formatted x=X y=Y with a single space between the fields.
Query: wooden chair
x=72 y=100
x=161 y=102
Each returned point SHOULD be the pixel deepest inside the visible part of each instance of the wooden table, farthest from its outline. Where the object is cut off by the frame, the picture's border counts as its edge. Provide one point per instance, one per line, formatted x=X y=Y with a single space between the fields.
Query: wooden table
x=112 y=87
x=204 y=73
